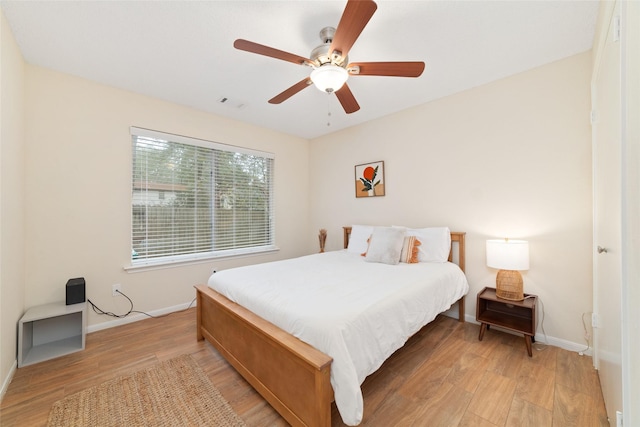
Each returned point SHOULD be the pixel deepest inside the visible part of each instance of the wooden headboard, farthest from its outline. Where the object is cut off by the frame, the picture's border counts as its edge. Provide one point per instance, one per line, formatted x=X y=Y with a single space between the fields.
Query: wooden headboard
x=457 y=239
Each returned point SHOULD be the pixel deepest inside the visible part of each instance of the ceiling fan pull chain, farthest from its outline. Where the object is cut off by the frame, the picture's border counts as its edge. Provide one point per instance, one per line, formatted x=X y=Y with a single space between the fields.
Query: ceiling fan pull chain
x=328 y=109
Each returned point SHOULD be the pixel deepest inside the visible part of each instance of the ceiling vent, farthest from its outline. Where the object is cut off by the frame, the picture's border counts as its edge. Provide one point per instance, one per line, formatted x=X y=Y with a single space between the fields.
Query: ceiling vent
x=232 y=103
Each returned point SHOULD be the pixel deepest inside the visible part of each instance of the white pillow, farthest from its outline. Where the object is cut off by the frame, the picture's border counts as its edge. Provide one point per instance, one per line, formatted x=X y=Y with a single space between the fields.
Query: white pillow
x=385 y=245
x=435 y=243
x=358 y=238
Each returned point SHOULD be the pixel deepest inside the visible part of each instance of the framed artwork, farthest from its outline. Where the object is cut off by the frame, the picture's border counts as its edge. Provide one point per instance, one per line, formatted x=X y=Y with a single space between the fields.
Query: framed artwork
x=370 y=179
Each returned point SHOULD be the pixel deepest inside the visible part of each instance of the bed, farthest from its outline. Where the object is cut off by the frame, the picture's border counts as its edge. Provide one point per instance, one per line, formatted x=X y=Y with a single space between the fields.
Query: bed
x=299 y=378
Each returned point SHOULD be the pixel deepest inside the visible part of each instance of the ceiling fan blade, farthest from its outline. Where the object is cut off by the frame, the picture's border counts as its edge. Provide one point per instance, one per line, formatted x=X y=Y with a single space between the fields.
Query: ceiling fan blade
x=269 y=51
x=347 y=99
x=288 y=93
x=393 y=69
x=355 y=17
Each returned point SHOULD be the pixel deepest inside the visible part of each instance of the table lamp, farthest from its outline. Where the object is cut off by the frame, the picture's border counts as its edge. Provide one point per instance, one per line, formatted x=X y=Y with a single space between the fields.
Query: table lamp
x=509 y=256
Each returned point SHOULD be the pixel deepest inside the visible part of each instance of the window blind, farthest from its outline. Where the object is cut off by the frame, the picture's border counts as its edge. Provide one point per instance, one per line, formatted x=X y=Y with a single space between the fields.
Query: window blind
x=193 y=198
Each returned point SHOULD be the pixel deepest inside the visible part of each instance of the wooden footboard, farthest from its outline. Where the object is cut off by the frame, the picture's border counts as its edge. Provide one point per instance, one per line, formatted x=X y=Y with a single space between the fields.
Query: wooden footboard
x=291 y=375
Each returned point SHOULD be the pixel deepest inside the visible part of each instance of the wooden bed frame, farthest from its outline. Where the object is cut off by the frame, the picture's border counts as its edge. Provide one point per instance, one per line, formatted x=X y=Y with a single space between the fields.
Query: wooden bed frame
x=291 y=375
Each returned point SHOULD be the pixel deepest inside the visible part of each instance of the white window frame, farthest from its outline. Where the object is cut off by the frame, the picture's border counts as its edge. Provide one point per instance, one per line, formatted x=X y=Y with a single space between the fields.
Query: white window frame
x=199 y=257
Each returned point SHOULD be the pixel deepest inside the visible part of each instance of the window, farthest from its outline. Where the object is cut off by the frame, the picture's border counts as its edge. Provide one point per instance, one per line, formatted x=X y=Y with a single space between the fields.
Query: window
x=194 y=199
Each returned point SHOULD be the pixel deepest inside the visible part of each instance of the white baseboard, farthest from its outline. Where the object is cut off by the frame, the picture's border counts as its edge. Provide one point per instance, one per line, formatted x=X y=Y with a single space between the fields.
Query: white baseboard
x=7 y=380
x=137 y=317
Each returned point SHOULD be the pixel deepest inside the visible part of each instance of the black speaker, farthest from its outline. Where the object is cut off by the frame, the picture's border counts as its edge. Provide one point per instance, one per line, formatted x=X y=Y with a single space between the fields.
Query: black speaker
x=75 y=291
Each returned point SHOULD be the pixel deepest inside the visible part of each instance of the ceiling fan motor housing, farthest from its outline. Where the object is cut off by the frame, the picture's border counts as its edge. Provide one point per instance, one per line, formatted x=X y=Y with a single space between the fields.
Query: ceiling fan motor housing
x=320 y=55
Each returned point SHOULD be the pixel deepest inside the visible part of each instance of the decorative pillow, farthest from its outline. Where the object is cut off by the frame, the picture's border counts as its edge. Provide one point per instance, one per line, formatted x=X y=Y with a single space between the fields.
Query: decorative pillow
x=385 y=245
x=358 y=238
x=409 y=252
x=435 y=243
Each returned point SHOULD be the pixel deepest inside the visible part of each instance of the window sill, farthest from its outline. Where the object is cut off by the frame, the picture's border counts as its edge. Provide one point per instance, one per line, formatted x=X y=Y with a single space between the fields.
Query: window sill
x=181 y=262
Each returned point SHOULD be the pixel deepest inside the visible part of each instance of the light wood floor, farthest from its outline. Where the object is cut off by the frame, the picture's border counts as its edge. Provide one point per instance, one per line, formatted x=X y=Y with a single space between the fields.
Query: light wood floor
x=442 y=377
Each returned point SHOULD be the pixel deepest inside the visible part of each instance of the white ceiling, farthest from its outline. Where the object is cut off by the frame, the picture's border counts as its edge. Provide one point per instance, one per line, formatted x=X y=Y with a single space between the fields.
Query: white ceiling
x=182 y=51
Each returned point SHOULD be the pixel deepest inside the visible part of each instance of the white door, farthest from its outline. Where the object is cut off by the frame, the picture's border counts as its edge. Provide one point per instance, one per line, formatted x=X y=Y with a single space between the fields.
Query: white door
x=607 y=220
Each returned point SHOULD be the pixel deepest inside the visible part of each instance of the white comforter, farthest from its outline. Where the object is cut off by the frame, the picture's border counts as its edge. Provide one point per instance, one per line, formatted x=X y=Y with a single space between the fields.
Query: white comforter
x=355 y=311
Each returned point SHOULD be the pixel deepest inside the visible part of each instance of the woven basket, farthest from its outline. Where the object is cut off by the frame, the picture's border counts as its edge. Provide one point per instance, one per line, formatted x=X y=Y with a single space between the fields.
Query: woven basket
x=509 y=285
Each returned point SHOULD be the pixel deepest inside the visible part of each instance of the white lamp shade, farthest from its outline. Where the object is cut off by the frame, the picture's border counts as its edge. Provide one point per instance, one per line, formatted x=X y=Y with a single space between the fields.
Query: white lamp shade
x=329 y=77
x=508 y=254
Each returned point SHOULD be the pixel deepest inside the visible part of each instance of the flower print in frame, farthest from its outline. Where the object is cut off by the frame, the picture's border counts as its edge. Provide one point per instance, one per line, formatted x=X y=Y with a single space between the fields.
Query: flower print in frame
x=370 y=179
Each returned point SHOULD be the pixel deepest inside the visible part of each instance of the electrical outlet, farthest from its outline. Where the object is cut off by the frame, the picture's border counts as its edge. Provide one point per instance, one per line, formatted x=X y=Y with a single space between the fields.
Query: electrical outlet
x=115 y=289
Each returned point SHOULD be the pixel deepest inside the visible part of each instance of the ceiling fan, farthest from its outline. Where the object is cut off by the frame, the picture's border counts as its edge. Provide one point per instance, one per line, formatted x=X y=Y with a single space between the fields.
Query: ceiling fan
x=330 y=61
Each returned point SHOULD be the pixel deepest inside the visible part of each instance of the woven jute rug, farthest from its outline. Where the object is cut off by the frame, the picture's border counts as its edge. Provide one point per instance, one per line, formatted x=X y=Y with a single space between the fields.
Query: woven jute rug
x=172 y=393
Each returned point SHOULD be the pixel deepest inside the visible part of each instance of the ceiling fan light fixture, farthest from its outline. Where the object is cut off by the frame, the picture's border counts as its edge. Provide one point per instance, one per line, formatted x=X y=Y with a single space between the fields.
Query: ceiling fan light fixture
x=329 y=78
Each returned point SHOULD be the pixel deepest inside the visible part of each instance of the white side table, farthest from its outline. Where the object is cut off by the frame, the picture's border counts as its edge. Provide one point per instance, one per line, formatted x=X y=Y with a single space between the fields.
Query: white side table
x=49 y=331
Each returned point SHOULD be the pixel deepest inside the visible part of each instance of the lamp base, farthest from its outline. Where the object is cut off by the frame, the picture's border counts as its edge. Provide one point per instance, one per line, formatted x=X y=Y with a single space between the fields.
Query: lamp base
x=509 y=285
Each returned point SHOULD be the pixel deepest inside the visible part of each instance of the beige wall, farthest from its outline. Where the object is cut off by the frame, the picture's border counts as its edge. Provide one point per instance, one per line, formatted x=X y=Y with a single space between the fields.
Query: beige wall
x=78 y=191
x=11 y=198
x=507 y=159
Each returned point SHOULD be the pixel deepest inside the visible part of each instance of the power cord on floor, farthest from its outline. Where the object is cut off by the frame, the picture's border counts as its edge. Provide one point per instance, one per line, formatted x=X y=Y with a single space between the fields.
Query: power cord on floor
x=587 y=336
x=101 y=312
x=540 y=346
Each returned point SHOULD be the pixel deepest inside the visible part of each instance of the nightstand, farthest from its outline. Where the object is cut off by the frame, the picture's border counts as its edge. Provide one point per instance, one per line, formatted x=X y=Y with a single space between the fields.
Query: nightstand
x=516 y=316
